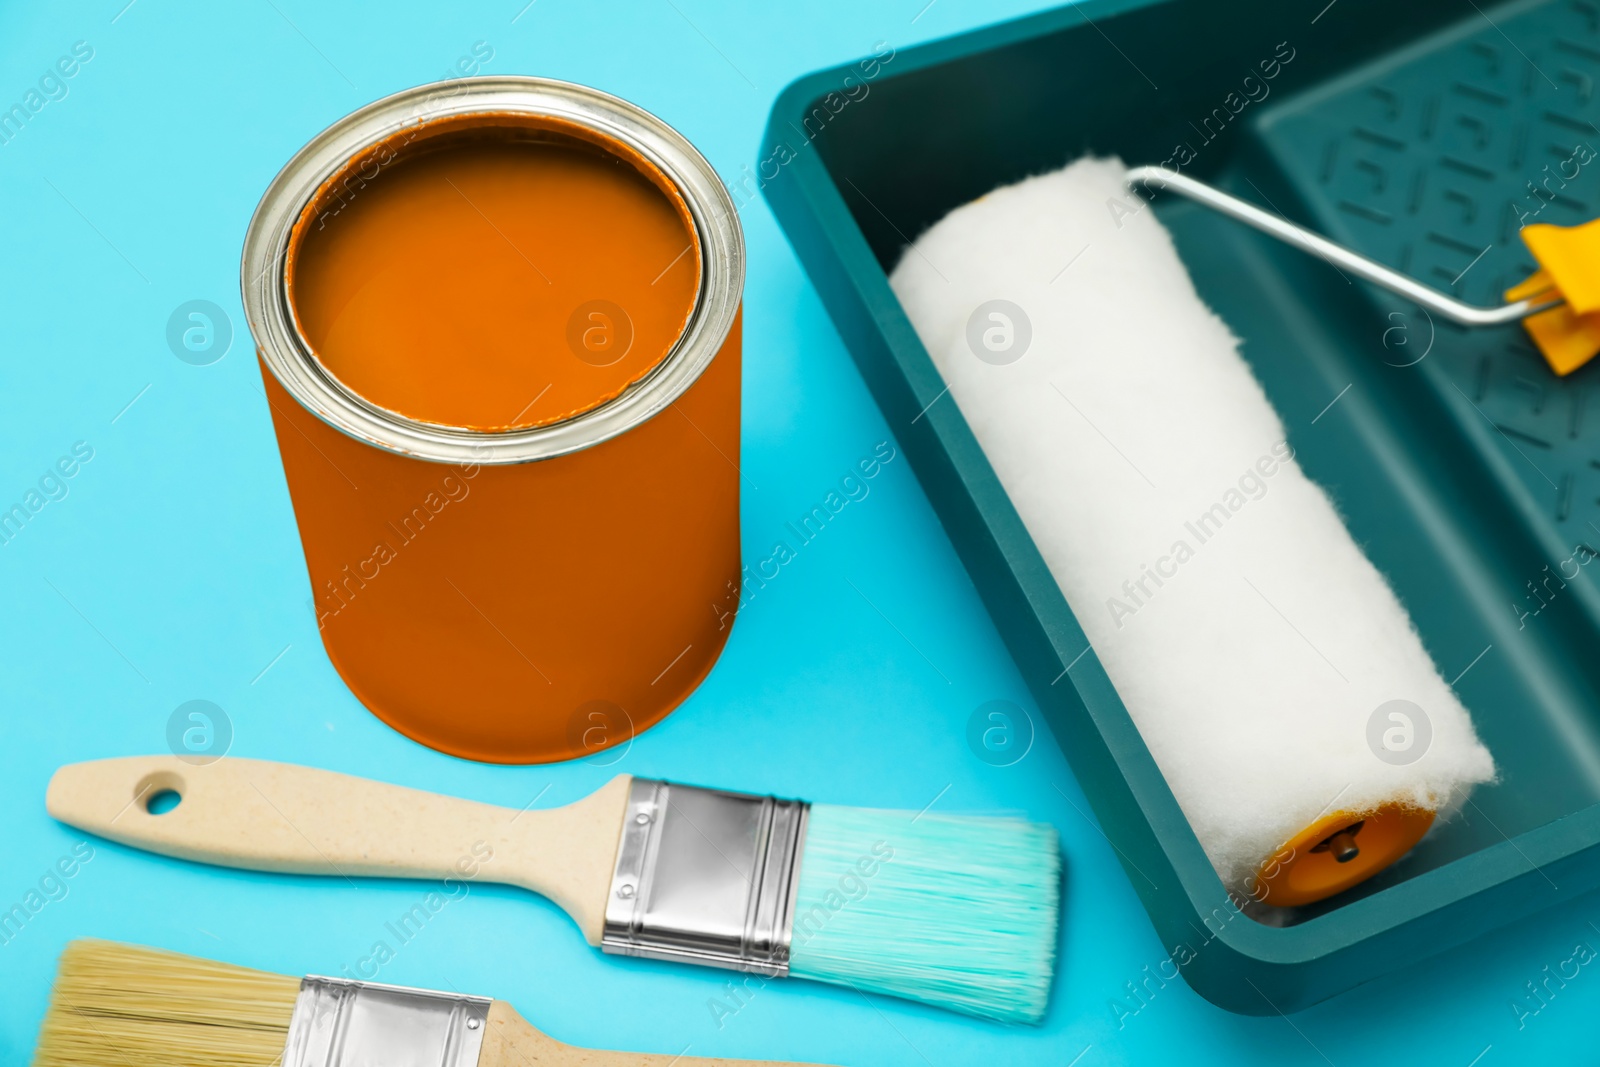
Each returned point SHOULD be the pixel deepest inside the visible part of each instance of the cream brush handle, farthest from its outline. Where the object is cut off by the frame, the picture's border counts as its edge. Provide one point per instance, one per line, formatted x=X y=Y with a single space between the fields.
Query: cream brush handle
x=265 y=816
x=511 y=1041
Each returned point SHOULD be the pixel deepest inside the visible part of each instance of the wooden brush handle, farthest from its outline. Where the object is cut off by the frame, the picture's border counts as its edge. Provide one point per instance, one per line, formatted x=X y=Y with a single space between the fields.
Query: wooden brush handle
x=266 y=816
x=511 y=1041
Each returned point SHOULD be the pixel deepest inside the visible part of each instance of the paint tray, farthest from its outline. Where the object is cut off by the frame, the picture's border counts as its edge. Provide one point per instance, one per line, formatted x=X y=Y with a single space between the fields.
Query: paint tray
x=1420 y=134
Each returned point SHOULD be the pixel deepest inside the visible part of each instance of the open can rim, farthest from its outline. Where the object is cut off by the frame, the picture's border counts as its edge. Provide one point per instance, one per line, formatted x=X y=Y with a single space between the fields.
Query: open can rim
x=263 y=278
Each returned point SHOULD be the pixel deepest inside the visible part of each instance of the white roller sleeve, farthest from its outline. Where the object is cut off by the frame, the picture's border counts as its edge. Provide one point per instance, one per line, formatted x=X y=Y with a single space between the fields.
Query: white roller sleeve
x=1248 y=634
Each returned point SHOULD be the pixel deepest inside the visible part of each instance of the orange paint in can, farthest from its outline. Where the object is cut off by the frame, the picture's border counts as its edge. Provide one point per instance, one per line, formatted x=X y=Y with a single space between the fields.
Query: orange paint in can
x=425 y=294
x=499 y=329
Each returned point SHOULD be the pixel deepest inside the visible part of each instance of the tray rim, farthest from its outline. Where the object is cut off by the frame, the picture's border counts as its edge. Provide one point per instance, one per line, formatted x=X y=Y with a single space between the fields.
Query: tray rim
x=1394 y=927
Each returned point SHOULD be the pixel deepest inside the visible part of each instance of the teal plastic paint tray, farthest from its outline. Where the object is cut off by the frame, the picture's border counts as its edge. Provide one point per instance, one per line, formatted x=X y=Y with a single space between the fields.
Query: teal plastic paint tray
x=1421 y=134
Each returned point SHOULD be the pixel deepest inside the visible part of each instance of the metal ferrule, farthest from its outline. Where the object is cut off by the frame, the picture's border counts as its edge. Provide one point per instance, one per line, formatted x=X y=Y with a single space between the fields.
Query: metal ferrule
x=341 y=1023
x=707 y=877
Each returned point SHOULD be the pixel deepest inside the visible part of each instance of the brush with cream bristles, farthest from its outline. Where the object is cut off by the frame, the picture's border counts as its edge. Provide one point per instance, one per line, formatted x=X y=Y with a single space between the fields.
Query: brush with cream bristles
x=129 y=1006
x=959 y=912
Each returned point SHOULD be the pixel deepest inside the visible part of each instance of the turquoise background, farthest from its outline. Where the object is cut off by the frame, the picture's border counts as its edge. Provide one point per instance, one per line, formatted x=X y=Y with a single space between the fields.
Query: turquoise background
x=172 y=571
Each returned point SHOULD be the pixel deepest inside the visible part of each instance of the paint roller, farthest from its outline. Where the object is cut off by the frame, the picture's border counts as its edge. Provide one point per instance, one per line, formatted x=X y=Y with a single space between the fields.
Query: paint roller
x=1272 y=671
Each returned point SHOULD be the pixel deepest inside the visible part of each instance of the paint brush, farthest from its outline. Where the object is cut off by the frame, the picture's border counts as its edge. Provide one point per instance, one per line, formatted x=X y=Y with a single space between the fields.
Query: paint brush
x=955 y=911
x=141 y=1007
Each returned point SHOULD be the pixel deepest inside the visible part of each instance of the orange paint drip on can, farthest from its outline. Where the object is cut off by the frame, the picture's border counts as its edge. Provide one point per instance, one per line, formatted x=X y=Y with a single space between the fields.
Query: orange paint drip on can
x=499 y=326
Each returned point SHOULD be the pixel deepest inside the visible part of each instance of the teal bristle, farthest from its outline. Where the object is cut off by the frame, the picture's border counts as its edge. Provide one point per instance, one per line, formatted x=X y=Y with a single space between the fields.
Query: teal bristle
x=956 y=911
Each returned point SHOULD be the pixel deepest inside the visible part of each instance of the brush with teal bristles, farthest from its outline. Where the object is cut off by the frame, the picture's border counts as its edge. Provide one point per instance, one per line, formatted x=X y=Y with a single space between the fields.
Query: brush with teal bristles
x=962 y=913
x=959 y=912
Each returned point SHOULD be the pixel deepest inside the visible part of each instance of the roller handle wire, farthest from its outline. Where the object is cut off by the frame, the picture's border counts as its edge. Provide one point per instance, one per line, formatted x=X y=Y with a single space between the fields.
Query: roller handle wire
x=1341 y=257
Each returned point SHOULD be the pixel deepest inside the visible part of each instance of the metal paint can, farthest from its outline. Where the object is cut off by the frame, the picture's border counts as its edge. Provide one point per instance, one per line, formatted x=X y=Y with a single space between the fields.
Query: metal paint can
x=531 y=593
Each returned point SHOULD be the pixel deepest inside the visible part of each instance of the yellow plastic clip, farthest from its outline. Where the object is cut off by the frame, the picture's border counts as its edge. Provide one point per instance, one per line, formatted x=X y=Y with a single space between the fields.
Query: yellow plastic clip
x=1569 y=267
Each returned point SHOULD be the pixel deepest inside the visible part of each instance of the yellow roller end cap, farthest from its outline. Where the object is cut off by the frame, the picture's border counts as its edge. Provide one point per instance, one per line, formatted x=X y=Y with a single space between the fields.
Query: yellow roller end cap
x=1569 y=268
x=1570 y=256
x=1568 y=341
x=1339 y=851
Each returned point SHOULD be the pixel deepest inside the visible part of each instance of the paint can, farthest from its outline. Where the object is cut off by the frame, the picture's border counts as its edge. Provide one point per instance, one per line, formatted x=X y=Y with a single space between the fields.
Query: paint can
x=510 y=588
